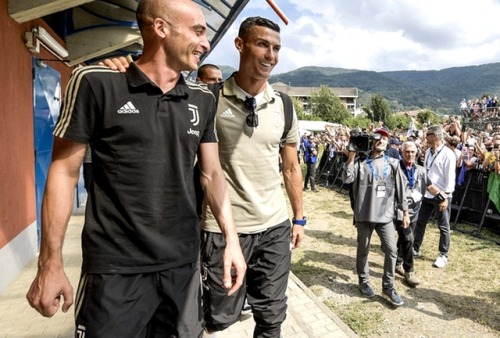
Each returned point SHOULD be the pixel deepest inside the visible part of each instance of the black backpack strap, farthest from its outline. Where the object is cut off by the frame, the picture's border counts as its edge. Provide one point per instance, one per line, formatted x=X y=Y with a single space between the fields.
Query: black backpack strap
x=215 y=89
x=288 y=112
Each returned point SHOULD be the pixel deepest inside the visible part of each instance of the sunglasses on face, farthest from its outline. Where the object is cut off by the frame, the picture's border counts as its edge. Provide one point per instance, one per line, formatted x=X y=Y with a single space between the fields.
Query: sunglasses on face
x=252 y=118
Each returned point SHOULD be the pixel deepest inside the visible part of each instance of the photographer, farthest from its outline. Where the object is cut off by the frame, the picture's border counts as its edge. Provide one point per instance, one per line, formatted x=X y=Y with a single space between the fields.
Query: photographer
x=453 y=128
x=376 y=190
x=469 y=157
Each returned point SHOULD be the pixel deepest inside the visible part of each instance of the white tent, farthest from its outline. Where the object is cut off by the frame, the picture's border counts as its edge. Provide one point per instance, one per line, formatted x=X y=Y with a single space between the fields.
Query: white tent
x=315 y=126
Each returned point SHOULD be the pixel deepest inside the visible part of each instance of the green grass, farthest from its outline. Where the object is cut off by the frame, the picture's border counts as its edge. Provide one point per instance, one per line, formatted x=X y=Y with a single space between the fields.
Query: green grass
x=362 y=321
x=468 y=288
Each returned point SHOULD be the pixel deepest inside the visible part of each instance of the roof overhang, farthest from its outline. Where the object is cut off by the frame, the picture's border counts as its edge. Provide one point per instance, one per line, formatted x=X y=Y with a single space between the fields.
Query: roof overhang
x=94 y=30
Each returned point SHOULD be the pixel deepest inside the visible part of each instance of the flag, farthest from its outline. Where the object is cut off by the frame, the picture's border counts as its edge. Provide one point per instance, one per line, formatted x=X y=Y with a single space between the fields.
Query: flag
x=494 y=189
x=411 y=128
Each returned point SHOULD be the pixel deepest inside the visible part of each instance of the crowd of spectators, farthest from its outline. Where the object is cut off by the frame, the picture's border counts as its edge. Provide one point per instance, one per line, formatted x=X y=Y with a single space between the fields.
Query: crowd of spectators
x=475 y=141
x=480 y=108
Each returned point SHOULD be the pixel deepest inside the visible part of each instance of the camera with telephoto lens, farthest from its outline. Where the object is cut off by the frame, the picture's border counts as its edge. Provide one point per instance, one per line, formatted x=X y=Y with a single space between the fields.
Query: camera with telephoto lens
x=360 y=141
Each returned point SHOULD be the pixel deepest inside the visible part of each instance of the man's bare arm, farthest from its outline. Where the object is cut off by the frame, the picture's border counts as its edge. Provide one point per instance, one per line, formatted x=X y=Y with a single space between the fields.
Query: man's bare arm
x=51 y=283
x=217 y=197
x=292 y=175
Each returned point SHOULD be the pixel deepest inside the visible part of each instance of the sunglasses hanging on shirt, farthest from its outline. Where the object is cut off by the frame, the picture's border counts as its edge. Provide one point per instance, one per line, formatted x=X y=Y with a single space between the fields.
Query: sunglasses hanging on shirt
x=252 y=118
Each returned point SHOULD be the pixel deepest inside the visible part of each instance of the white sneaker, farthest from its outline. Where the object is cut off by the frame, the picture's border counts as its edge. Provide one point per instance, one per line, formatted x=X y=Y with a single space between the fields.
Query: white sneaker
x=440 y=262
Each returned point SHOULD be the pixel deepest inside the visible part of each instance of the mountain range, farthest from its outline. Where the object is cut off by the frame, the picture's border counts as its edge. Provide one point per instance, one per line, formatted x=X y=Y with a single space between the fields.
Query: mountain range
x=438 y=90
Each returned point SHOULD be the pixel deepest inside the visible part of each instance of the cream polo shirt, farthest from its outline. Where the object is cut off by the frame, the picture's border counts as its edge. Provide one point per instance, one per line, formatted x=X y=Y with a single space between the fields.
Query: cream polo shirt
x=249 y=158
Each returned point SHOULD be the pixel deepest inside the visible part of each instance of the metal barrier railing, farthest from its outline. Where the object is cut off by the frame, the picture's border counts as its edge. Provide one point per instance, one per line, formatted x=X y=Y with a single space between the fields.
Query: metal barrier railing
x=470 y=203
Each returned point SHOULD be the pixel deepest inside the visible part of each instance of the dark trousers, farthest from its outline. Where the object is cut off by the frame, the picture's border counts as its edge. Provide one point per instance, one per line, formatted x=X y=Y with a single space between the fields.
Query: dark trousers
x=268 y=259
x=443 y=223
x=388 y=242
x=310 y=175
x=405 y=245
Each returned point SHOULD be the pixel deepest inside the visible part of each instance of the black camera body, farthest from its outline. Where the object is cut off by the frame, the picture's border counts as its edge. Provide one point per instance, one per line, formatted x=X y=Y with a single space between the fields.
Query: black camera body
x=361 y=141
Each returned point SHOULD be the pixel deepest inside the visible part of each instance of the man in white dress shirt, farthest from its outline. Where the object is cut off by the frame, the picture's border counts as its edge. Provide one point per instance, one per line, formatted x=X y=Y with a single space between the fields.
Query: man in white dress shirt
x=440 y=163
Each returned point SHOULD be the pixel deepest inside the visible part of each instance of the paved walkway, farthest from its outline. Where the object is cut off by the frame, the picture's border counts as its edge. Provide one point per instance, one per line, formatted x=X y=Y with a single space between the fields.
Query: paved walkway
x=307 y=317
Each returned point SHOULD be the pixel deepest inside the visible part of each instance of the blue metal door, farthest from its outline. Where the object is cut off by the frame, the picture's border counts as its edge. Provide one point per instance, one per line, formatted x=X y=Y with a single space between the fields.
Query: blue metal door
x=47 y=101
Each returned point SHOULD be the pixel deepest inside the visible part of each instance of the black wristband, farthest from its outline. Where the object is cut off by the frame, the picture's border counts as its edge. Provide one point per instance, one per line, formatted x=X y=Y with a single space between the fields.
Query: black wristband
x=440 y=196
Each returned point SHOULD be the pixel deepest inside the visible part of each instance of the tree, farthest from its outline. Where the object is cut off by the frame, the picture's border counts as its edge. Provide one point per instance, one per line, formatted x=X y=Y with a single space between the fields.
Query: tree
x=299 y=108
x=326 y=105
x=358 y=121
x=429 y=117
x=398 y=121
x=380 y=109
x=368 y=112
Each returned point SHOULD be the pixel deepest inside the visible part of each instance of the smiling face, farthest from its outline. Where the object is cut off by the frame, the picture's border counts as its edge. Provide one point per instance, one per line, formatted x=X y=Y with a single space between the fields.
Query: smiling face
x=185 y=36
x=409 y=153
x=174 y=33
x=259 y=50
x=188 y=39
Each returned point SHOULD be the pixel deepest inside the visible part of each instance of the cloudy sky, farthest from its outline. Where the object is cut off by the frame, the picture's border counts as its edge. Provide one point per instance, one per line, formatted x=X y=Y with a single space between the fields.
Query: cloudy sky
x=378 y=35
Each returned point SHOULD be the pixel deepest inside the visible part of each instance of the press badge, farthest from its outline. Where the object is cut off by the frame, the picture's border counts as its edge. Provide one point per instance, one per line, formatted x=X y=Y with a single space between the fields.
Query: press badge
x=381 y=191
x=416 y=196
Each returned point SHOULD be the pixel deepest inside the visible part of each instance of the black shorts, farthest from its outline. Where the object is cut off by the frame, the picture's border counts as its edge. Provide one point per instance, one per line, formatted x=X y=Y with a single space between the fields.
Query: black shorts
x=159 y=304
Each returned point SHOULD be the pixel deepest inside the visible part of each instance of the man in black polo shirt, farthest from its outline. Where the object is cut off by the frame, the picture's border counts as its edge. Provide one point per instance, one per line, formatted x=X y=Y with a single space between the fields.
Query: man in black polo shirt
x=140 y=271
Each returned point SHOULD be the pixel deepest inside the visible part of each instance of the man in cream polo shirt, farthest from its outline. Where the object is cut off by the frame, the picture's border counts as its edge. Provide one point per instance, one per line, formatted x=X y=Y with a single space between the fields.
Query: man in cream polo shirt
x=250 y=125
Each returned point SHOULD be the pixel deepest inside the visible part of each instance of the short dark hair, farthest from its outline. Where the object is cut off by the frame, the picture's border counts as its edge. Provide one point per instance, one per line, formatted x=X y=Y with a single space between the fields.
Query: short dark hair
x=453 y=141
x=202 y=69
x=250 y=22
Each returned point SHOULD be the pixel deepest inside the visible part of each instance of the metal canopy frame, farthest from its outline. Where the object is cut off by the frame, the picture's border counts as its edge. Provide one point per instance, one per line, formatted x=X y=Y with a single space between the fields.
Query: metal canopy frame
x=94 y=30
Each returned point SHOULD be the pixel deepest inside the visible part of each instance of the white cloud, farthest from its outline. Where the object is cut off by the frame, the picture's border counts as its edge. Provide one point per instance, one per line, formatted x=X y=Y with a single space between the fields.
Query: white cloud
x=378 y=35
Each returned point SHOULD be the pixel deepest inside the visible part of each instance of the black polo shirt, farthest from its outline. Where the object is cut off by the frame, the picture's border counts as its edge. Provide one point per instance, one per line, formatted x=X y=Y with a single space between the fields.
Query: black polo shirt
x=141 y=214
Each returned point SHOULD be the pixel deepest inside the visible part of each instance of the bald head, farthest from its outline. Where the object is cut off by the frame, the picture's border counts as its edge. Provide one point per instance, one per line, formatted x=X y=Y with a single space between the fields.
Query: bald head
x=147 y=11
x=174 y=35
x=168 y=10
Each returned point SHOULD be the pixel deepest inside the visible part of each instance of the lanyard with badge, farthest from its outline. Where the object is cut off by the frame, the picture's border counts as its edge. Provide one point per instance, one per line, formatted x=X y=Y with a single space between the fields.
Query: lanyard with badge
x=433 y=159
x=410 y=174
x=381 y=189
